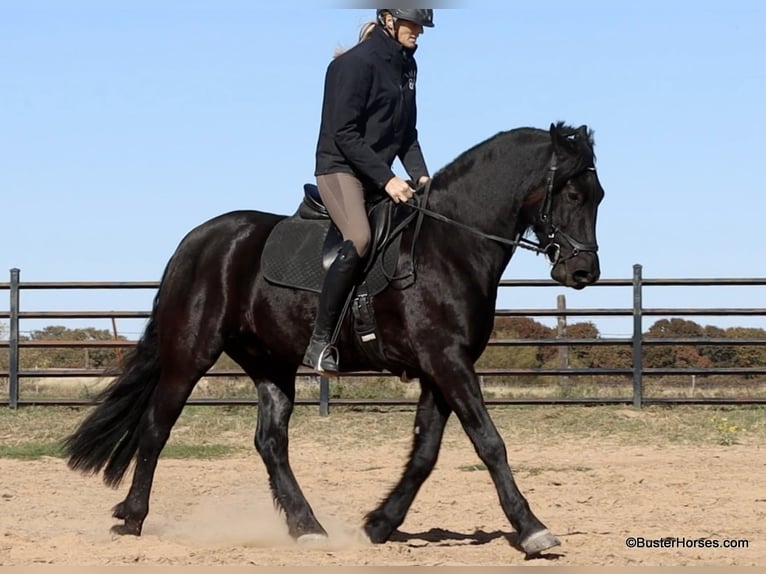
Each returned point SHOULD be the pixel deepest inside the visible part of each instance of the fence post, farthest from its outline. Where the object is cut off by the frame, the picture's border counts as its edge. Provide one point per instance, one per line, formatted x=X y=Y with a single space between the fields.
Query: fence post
x=561 y=333
x=638 y=359
x=324 y=396
x=13 y=359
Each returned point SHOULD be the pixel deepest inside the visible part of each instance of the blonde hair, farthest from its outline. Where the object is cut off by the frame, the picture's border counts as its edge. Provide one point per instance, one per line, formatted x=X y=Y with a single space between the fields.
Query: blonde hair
x=364 y=34
x=366 y=31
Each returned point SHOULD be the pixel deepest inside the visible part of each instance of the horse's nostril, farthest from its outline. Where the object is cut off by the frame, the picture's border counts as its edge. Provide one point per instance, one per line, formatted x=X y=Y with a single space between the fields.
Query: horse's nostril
x=583 y=277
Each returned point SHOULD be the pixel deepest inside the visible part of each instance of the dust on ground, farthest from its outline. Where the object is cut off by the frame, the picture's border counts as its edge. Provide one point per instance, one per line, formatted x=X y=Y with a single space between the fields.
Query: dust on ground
x=592 y=493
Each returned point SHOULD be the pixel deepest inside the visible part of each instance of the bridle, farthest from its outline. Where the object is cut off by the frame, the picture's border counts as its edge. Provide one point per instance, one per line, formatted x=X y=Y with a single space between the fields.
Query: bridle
x=551 y=249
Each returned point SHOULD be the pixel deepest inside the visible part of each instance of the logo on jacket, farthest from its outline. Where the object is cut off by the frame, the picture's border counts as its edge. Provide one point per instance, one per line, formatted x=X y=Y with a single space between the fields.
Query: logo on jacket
x=410 y=79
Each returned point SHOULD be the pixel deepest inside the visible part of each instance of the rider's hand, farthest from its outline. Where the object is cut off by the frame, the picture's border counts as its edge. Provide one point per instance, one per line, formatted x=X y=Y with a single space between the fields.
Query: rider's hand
x=398 y=189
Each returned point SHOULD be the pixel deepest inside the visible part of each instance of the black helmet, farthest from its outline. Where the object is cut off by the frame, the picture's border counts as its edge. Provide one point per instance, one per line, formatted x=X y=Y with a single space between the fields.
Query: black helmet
x=422 y=16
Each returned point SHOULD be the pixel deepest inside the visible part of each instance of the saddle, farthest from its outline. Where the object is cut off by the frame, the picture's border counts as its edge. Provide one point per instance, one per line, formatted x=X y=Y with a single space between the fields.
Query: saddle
x=301 y=248
x=380 y=214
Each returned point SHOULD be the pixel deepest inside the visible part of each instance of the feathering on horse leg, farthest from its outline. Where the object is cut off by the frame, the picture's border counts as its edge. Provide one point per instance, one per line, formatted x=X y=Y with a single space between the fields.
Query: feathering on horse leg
x=275 y=406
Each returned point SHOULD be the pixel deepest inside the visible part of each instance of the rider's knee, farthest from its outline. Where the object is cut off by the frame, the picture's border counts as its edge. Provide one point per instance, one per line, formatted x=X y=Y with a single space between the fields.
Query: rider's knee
x=361 y=243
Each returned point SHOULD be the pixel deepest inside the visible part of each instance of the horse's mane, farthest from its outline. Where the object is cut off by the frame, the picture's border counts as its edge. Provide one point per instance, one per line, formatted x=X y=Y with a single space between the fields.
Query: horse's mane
x=502 y=140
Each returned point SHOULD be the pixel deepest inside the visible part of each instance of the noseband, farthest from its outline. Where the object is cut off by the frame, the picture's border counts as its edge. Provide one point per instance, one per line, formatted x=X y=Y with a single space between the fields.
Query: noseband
x=551 y=249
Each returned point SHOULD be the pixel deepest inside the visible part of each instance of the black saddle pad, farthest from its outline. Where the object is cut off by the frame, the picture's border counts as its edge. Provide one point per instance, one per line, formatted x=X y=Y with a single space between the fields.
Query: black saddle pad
x=292 y=256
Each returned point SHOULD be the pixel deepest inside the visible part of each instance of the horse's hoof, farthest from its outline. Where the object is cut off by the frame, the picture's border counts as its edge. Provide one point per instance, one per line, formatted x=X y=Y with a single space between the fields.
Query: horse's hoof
x=539 y=541
x=312 y=539
x=124 y=530
x=361 y=537
x=377 y=528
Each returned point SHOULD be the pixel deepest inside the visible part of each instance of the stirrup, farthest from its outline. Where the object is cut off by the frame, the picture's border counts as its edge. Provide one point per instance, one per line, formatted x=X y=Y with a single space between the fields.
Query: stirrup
x=325 y=362
x=329 y=354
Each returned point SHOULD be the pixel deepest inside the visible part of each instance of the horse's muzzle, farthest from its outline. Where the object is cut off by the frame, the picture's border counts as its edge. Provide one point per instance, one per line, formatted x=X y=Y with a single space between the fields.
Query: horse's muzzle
x=577 y=272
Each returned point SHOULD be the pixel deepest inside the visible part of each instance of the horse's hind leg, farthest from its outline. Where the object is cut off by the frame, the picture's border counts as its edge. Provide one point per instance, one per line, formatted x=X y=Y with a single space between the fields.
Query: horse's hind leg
x=430 y=420
x=175 y=385
x=276 y=398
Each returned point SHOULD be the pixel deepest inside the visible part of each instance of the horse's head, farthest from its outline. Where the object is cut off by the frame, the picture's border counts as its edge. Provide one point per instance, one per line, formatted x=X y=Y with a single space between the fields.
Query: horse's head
x=565 y=224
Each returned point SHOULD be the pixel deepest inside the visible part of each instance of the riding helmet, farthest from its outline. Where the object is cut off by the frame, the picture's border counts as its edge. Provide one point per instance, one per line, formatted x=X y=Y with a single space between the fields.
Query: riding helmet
x=422 y=16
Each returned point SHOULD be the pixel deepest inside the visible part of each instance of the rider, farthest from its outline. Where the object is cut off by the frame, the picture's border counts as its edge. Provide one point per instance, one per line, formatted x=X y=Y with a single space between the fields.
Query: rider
x=368 y=119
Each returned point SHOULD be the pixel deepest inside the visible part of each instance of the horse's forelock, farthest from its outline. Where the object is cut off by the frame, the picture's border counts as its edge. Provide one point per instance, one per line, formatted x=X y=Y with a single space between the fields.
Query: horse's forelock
x=584 y=145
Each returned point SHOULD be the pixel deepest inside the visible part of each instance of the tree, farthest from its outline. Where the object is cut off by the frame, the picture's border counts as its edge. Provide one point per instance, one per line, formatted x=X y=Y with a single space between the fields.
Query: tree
x=596 y=356
x=659 y=356
x=67 y=357
x=719 y=355
x=747 y=355
x=525 y=357
x=4 y=352
x=580 y=355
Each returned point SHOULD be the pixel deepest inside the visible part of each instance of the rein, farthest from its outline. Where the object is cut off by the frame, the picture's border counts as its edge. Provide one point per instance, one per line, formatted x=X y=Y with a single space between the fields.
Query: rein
x=552 y=250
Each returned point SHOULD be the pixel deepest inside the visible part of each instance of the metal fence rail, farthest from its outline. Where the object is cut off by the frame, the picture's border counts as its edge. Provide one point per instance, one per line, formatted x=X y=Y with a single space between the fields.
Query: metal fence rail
x=637 y=343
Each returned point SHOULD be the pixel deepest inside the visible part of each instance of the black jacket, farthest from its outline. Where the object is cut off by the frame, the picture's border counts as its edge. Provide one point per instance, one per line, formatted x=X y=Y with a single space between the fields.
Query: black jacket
x=369 y=114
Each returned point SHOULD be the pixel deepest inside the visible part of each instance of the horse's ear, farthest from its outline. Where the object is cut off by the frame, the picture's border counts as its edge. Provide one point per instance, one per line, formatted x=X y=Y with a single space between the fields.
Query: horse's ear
x=560 y=142
x=582 y=131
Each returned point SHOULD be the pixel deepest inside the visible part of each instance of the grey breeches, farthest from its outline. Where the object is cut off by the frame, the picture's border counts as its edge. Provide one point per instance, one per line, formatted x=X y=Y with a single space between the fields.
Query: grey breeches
x=343 y=196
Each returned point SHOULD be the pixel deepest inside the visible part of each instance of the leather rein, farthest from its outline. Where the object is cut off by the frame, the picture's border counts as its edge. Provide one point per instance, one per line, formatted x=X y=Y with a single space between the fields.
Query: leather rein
x=551 y=250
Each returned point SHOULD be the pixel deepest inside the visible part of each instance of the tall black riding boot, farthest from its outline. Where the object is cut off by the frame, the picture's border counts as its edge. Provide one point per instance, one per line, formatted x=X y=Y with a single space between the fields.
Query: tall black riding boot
x=321 y=355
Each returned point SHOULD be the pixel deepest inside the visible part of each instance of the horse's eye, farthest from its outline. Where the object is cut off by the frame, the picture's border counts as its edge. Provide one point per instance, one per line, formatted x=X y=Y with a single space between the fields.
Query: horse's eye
x=574 y=196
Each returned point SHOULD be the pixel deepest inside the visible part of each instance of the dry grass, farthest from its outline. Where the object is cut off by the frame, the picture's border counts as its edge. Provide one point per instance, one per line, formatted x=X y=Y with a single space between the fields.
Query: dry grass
x=387 y=387
x=213 y=431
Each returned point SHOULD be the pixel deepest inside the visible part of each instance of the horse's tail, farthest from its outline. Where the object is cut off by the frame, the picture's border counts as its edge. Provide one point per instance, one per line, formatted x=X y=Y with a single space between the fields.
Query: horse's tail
x=108 y=437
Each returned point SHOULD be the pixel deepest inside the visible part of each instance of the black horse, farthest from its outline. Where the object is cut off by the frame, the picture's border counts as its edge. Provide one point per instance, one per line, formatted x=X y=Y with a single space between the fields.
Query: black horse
x=213 y=299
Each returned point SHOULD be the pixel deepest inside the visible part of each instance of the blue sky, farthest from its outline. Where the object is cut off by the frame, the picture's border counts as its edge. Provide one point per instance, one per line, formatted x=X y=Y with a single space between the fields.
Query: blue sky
x=124 y=124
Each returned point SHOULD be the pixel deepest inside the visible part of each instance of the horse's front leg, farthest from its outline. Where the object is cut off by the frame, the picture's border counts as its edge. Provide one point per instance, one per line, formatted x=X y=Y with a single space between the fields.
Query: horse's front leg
x=460 y=386
x=430 y=420
x=275 y=406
